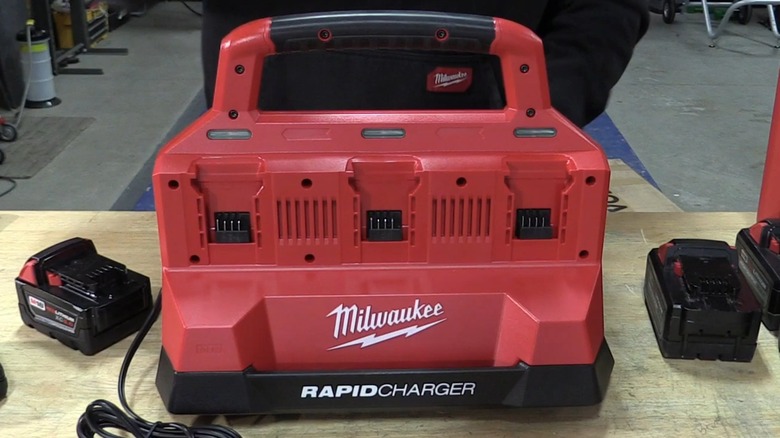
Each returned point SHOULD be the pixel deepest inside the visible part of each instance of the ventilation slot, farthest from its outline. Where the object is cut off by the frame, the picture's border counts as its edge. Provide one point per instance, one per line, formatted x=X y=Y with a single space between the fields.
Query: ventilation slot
x=300 y=220
x=460 y=218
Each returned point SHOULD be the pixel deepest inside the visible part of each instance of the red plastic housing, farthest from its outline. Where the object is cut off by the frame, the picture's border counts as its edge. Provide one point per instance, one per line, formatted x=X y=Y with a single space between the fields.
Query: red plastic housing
x=459 y=289
x=769 y=206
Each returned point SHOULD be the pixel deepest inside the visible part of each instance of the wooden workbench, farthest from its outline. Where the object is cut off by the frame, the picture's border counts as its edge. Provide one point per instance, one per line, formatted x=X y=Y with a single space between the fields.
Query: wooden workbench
x=50 y=385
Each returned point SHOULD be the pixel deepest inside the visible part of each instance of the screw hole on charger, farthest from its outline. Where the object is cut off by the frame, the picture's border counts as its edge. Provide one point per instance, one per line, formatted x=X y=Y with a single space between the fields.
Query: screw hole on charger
x=173 y=184
x=324 y=35
x=306 y=183
x=584 y=254
x=309 y=258
x=461 y=181
x=194 y=258
x=590 y=180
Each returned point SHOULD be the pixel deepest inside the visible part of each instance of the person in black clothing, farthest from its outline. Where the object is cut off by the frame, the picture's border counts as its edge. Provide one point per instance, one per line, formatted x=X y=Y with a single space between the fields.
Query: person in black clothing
x=588 y=45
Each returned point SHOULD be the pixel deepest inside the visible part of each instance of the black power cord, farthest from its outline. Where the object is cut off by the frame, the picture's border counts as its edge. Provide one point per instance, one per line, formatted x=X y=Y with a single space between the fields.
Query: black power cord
x=9 y=189
x=102 y=415
x=199 y=14
x=12 y=180
x=3 y=384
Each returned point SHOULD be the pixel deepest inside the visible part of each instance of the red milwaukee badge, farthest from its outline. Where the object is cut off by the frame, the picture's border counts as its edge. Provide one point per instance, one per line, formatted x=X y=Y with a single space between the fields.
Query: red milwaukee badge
x=449 y=79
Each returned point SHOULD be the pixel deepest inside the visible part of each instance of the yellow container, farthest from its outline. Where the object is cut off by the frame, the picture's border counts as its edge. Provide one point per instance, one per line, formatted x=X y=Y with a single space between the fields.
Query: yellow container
x=64 y=26
x=64 y=29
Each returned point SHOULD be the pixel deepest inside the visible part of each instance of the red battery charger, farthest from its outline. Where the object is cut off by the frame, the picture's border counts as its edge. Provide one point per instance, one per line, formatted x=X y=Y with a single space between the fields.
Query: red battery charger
x=362 y=260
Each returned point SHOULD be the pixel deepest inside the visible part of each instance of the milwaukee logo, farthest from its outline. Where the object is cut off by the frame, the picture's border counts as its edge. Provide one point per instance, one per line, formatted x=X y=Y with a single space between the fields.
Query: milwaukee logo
x=445 y=80
x=449 y=79
x=350 y=320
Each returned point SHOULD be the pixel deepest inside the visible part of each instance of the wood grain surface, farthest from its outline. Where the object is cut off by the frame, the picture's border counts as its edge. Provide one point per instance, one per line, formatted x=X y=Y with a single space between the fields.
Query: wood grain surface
x=630 y=192
x=50 y=385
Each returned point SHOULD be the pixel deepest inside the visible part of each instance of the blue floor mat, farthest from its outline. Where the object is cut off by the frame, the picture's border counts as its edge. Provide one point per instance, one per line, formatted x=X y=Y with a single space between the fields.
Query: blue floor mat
x=604 y=131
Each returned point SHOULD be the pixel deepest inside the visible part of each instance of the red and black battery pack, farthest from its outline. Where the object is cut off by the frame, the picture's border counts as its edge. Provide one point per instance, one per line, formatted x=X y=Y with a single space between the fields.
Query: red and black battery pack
x=362 y=260
x=81 y=298
x=700 y=305
x=759 y=261
x=759 y=245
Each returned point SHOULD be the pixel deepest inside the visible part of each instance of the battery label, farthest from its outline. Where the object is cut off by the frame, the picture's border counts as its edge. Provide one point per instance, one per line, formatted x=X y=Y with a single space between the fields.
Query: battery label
x=654 y=298
x=758 y=282
x=51 y=315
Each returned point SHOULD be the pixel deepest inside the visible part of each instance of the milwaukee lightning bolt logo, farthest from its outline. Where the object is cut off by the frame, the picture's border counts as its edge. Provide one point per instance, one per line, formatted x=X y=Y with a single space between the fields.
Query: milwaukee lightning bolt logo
x=350 y=320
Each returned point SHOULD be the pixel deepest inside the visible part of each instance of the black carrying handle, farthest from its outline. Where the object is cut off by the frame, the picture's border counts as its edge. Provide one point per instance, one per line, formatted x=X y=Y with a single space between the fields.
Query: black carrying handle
x=60 y=253
x=412 y=30
x=244 y=50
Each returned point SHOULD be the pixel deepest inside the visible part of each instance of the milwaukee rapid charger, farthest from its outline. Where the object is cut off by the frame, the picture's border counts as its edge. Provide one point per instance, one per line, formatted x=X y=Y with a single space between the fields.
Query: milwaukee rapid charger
x=356 y=260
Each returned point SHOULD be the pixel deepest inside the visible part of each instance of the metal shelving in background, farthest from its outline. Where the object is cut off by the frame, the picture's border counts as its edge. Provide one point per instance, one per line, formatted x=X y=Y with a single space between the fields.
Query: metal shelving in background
x=84 y=35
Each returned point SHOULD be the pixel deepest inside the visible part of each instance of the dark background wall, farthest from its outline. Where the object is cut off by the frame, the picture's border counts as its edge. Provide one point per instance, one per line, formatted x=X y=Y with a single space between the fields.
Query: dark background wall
x=13 y=14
